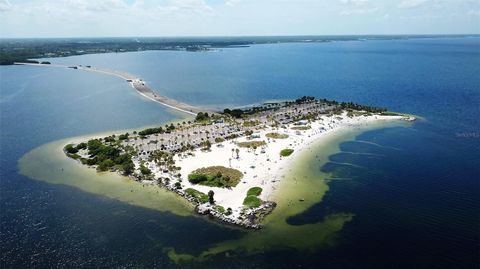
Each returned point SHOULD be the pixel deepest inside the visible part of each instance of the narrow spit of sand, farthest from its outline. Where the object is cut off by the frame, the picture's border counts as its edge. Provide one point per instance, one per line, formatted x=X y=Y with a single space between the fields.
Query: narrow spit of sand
x=139 y=85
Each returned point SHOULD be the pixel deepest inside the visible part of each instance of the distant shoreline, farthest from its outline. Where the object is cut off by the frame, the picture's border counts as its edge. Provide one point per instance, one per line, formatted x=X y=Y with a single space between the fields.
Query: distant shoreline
x=74 y=46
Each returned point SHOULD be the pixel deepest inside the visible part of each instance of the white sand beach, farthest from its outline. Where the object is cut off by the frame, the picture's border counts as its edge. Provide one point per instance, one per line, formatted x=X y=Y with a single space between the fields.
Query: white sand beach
x=263 y=167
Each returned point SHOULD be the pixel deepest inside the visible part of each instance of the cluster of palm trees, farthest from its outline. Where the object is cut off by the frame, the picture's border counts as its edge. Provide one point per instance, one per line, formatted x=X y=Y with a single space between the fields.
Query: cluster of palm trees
x=164 y=160
x=237 y=151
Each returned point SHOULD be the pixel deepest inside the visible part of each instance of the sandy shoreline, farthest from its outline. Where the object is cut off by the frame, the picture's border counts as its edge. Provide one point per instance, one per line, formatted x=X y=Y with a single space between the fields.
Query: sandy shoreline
x=263 y=167
x=269 y=175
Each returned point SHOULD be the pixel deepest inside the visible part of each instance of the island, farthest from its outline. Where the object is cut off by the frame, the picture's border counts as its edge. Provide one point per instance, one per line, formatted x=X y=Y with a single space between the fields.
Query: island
x=226 y=163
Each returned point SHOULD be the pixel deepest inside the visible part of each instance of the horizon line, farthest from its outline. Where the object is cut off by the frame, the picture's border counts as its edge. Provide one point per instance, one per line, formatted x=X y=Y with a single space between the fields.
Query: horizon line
x=246 y=36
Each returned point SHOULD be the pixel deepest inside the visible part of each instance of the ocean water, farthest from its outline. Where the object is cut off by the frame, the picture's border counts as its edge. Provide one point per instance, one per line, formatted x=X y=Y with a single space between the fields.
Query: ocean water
x=413 y=193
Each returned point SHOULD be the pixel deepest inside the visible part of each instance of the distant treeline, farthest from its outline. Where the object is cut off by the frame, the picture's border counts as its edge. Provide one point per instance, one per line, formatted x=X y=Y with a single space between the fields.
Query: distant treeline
x=239 y=113
x=19 y=50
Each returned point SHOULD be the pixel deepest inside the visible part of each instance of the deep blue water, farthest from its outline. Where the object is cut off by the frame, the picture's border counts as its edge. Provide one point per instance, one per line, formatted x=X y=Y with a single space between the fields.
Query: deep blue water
x=415 y=196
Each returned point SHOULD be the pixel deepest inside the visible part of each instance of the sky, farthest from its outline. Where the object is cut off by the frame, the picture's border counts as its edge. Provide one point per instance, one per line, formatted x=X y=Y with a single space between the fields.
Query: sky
x=118 y=18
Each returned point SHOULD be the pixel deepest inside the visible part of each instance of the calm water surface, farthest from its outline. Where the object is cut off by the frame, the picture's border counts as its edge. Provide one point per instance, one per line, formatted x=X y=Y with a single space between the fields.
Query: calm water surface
x=413 y=192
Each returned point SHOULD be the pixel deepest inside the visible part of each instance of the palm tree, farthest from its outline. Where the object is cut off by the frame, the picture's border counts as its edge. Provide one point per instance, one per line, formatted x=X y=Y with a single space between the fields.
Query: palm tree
x=210 y=197
x=237 y=151
x=233 y=150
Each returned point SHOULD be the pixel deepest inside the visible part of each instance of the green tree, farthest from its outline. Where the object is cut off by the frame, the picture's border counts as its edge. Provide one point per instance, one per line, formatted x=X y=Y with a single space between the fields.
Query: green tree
x=144 y=170
x=207 y=145
x=71 y=149
x=210 y=197
x=128 y=168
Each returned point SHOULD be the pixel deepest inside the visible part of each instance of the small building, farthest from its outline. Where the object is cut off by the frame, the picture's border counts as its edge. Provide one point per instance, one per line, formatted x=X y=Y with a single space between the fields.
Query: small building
x=302 y=122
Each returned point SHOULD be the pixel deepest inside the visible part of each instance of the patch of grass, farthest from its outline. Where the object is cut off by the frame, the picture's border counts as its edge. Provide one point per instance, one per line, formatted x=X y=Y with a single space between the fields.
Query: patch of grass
x=202 y=197
x=251 y=123
x=252 y=201
x=216 y=176
x=220 y=209
x=251 y=144
x=255 y=191
x=276 y=136
x=301 y=128
x=286 y=152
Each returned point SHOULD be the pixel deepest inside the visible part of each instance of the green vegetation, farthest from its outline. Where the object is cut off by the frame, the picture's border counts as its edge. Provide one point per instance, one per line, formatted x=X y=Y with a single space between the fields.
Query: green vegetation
x=151 y=131
x=232 y=136
x=210 y=197
x=70 y=149
x=304 y=99
x=276 y=136
x=145 y=170
x=251 y=123
x=124 y=136
x=286 y=152
x=255 y=191
x=358 y=107
x=252 y=201
x=206 y=145
x=164 y=160
x=236 y=113
x=200 y=196
x=251 y=144
x=202 y=117
x=216 y=176
x=109 y=139
x=82 y=145
x=220 y=209
x=106 y=157
x=219 y=140
x=387 y=113
x=301 y=128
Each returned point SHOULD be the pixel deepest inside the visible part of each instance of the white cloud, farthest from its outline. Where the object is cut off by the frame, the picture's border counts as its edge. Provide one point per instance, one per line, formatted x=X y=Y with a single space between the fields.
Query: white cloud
x=232 y=3
x=189 y=6
x=355 y=7
x=359 y=11
x=98 y=5
x=5 y=6
x=413 y=3
x=355 y=2
x=221 y=17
